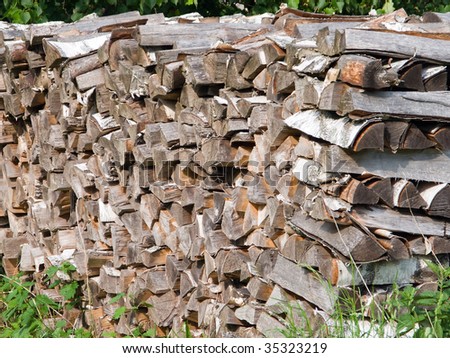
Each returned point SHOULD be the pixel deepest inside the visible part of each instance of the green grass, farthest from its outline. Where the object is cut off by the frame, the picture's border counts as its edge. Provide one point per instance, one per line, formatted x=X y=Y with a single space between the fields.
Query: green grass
x=403 y=312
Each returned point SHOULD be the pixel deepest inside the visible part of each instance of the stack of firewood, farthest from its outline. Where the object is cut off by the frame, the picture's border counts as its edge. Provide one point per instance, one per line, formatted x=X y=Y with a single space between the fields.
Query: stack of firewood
x=215 y=171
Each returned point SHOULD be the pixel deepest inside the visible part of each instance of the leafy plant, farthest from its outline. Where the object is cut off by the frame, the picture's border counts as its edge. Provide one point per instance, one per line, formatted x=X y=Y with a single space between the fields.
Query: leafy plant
x=407 y=311
x=34 y=11
x=426 y=313
x=24 y=11
x=27 y=314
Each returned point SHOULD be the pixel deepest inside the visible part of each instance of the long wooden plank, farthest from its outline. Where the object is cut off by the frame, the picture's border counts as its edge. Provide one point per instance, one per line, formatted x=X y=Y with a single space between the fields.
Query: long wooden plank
x=429 y=30
x=393 y=44
x=302 y=282
x=377 y=217
x=129 y=19
x=381 y=273
x=178 y=35
x=426 y=165
x=429 y=105
x=310 y=30
x=349 y=241
x=341 y=131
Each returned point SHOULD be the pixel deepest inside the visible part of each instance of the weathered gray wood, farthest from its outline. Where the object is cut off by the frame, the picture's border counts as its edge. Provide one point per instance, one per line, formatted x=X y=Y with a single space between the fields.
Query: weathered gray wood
x=394 y=134
x=312 y=62
x=399 y=272
x=426 y=165
x=440 y=135
x=365 y=72
x=310 y=30
x=383 y=188
x=430 y=17
x=357 y=193
x=371 y=137
x=393 y=44
x=346 y=240
x=102 y=24
x=435 y=78
x=90 y=79
x=406 y=195
x=396 y=221
x=59 y=51
x=302 y=282
x=436 y=197
x=423 y=105
x=341 y=131
x=179 y=35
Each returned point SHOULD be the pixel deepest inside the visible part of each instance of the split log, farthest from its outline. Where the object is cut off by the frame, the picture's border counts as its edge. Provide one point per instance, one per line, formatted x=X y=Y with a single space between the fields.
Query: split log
x=415 y=139
x=440 y=135
x=186 y=35
x=302 y=282
x=357 y=193
x=346 y=240
x=395 y=221
x=311 y=29
x=405 y=195
x=391 y=44
x=318 y=124
x=58 y=51
x=436 y=197
x=426 y=105
x=394 y=134
x=422 y=166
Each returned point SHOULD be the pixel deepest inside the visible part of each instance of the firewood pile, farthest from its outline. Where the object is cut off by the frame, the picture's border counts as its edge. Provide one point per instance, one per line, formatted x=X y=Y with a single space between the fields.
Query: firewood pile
x=215 y=170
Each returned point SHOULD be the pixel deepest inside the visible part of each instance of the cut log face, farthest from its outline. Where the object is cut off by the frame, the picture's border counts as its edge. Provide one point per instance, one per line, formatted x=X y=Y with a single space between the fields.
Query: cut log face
x=406 y=195
x=365 y=72
x=357 y=193
x=348 y=241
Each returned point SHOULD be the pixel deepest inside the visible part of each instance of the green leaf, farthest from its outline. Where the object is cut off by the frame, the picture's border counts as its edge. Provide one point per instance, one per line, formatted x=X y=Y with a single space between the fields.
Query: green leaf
x=67 y=267
x=109 y=335
x=340 y=5
x=150 y=333
x=54 y=284
x=51 y=272
x=187 y=331
x=388 y=7
x=119 y=312
x=293 y=3
x=406 y=322
x=439 y=332
x=321 y=4
x=69 y=290
x=25 y=17
x=38 y=10
x=434 y=267
x=329 y=11
x=61 y=324
x=116 y=298
x=426 y=301
x=26 y=3
x=45 y=300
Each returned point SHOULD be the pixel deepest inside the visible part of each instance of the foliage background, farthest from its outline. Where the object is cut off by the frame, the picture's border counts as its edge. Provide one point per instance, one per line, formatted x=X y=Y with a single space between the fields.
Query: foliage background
x=36 y=11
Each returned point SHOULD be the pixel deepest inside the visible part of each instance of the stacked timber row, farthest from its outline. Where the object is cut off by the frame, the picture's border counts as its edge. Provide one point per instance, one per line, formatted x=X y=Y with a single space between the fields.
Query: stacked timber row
x=216 y=171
